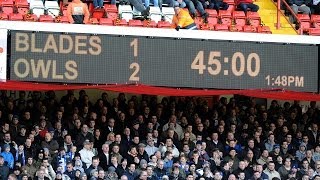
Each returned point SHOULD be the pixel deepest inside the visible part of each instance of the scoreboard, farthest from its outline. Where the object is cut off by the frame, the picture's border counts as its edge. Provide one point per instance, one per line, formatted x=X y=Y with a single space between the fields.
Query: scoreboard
x=165 y=59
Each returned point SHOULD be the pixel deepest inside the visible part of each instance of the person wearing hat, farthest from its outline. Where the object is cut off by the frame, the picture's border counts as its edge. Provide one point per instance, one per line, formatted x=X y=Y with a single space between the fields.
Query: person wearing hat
x=86 y=153
x=233 y=157
x=83 y=176
x=7 y=155
x=142 y=166
x=276 y=151
x=301 y=152
x=182 y=19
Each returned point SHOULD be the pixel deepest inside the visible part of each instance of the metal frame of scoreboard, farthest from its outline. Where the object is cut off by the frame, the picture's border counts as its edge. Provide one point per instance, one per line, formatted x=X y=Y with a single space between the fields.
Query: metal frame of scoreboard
x=205 y=63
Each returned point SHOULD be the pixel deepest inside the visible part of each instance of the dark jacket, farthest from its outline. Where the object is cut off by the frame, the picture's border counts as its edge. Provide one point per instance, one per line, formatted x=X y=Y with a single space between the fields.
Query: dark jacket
x=104 y=161
x=299 y=2
x=4 y=172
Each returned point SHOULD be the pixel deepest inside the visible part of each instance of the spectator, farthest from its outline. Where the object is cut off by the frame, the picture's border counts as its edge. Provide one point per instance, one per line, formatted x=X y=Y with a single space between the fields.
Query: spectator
x=4 y=170
x=270 y=171
x=105 y=157
x=150 y=148
x=78 y=12
x=86 y=153
x=131 y=172
x=299 y=5
x=51 y=144
x=7 y=156
x=169 y=145
x=245 y=5
x=94 y=166
x=30 y=167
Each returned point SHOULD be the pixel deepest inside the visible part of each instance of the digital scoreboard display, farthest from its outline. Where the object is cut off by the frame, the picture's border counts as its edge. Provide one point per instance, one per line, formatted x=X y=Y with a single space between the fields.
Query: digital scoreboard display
x=109 y=59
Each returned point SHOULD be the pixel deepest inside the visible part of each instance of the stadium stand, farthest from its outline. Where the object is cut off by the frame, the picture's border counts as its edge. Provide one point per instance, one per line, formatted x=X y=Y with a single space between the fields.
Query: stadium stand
x=234 y=19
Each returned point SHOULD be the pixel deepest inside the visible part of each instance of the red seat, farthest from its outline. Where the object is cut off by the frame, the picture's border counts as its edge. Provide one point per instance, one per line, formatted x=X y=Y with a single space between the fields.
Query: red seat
x=93 y=21
x=240 y=22
x=314 y=31
x=212 y=20
x=236 y=28
x=30 y=17
x=15 y=17
x=6 y=3
x=264 y=29
x=304 y=21
x=239 y=18
x=226 y=21
x=238 y=14
x=225 y=13
x=3 y=16
x=231 y=8
x=207 y=26
x=249 y=28
x=106 y=21
x=221 y=27
x=22 y=3
x=305 y=25
x=135 y=23
x=315 y=20
x=111 y=8
x=230 y=2
x=164 y=24
x=120 y=22
x=7 y=9
x=253 y=19
x=23 y=10
x=112 y=15
x=45 y=18
x=149 y=24
x=212 y=12
x=62 y=19
x=98 y=13
x=316 y=24
x=198 y=21
x=225 y=17
x=303 y=17
x=253 y=15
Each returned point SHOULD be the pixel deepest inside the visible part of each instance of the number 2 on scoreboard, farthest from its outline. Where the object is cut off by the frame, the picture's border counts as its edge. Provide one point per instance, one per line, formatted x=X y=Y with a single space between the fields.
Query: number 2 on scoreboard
x=135 y=66
x=134 y=76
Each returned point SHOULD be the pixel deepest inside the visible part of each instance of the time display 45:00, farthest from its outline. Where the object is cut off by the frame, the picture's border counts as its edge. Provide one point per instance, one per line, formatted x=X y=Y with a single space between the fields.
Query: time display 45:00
x=240 y=64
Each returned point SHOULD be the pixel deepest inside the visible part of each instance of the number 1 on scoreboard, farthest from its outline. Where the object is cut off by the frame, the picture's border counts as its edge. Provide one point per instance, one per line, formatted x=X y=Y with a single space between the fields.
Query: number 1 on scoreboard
x=134 y=44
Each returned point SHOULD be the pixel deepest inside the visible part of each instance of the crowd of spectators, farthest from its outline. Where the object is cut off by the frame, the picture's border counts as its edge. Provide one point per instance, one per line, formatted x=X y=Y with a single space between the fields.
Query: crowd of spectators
x=178 y=138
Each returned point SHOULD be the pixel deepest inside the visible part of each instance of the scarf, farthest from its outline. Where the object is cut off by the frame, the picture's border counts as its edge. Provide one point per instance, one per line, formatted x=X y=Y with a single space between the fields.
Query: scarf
x=23 y=158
